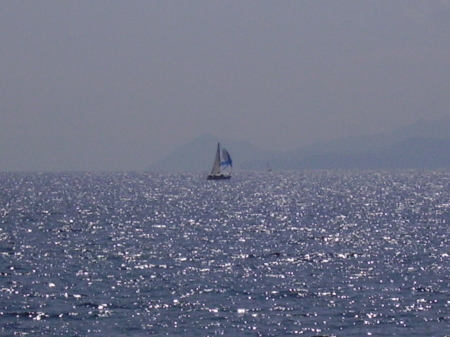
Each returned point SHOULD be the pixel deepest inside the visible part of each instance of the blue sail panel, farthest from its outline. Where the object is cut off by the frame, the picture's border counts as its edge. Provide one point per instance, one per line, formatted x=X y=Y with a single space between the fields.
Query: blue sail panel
x=226 y=158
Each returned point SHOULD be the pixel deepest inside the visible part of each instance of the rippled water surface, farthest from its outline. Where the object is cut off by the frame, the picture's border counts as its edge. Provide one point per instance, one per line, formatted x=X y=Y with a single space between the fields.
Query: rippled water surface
x=264 y=254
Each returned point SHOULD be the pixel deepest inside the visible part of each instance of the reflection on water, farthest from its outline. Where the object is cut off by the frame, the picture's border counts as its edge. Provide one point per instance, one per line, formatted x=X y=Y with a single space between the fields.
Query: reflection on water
x=264 y=254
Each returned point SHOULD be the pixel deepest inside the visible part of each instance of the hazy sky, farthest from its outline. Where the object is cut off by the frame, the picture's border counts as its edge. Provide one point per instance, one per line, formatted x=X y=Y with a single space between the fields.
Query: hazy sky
x=115 y=85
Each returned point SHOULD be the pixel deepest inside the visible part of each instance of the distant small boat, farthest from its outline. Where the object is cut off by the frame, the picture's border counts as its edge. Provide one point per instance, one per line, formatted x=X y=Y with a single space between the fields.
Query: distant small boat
x=222 y=167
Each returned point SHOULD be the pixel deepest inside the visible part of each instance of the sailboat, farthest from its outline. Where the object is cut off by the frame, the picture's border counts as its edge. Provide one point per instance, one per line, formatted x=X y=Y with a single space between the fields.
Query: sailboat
x=222 y=167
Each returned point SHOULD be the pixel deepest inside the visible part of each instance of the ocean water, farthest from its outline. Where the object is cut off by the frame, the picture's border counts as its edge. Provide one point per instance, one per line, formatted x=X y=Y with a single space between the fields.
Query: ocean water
x=310 y=253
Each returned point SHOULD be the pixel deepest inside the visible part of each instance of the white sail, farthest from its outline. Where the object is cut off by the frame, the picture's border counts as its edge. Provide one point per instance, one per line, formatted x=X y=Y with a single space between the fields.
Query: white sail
x=216 y=166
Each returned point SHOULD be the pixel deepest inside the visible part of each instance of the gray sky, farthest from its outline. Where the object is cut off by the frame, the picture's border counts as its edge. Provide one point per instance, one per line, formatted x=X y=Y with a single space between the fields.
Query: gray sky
x=115 y=85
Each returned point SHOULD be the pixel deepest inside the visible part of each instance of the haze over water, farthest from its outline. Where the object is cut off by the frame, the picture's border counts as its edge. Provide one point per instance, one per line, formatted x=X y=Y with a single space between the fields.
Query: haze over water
x=311 y=253
x=117 y=86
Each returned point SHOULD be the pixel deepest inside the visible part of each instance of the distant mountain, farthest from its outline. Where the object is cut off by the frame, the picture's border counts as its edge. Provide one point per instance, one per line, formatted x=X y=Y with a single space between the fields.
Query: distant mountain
x=436 y=129
x=424 y=144
x=198 y=155
x=421 y=153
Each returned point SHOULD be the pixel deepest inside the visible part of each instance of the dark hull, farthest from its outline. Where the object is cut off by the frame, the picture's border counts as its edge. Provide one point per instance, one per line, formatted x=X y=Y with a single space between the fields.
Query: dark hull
x=218 y=177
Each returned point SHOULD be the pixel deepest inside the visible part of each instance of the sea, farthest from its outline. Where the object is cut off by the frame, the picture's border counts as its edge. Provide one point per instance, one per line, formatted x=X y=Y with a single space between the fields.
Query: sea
x=308 y=253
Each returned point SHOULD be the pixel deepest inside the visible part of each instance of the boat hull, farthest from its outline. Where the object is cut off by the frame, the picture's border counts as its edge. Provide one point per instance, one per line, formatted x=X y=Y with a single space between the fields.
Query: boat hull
x=218 y=177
